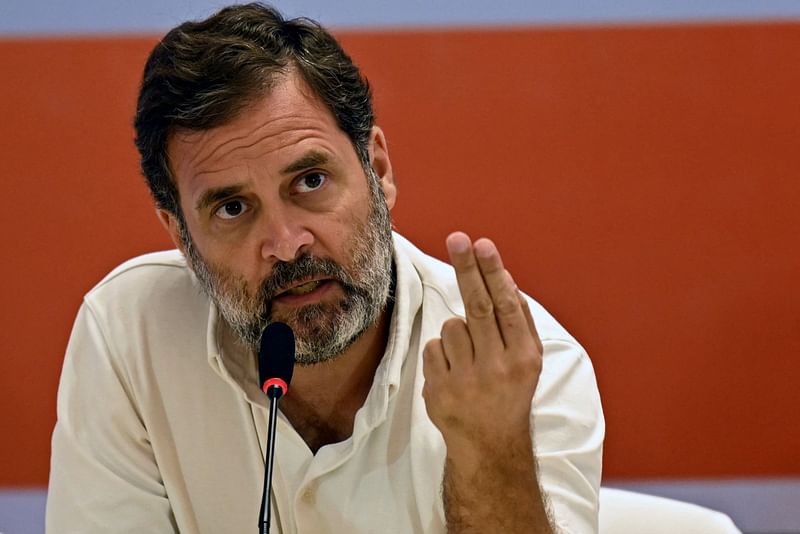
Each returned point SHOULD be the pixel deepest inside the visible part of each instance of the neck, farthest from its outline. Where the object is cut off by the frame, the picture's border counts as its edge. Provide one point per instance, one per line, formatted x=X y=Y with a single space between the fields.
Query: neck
x=324 y=398
x=346 y=374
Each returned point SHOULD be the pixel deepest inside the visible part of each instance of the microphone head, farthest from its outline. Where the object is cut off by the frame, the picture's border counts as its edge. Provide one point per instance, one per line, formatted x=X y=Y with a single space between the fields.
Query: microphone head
x=276 y=356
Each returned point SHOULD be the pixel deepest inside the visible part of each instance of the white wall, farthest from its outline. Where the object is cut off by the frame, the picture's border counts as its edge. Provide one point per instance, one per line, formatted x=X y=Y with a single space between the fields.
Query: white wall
x=109 y=16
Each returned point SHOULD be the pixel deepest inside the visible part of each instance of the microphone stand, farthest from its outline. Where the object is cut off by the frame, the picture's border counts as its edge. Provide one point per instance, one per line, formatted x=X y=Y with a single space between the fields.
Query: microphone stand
x=275 y=366
x=274 y=393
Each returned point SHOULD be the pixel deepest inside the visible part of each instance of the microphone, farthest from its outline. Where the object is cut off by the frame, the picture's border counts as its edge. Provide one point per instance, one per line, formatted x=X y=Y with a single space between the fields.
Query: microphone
x=275 y=368
x=276 y=359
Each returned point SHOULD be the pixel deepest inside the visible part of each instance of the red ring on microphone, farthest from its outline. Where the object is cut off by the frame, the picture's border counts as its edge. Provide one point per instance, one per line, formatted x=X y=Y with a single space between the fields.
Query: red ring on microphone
x=279 y=382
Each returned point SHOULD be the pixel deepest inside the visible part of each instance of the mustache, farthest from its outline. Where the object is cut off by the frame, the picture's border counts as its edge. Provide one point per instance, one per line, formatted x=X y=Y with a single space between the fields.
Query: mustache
x=287 y=273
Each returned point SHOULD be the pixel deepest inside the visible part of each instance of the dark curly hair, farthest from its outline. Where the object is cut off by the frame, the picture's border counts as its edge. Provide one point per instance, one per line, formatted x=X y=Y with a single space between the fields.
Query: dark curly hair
x=202 y=74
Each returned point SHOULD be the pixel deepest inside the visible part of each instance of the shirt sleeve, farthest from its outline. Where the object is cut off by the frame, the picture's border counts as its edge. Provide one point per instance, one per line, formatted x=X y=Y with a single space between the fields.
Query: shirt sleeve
x=103 y=474
x=568 y=430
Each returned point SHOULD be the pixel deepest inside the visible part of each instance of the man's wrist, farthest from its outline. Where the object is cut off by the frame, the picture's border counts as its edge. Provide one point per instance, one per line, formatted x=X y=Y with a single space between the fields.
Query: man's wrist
x=486 y=489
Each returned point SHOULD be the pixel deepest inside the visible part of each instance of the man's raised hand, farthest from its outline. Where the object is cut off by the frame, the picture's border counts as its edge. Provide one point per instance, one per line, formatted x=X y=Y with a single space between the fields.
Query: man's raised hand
x=480 y=376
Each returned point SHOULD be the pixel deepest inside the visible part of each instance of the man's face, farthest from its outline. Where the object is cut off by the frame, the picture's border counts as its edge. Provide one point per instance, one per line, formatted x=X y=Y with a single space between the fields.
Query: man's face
x=281 y=222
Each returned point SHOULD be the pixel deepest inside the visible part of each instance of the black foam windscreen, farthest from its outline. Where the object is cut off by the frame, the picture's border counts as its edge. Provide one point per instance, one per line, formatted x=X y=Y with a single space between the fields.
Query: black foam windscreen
x=276 y=353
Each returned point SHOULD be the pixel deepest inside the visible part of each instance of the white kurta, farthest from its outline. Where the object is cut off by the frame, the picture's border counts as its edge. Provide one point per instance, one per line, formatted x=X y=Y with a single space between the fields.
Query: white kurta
x=161 y=423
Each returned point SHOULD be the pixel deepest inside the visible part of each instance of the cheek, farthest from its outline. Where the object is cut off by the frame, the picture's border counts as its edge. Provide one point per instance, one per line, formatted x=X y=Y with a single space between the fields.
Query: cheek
x=234 y=262
x=336 y=230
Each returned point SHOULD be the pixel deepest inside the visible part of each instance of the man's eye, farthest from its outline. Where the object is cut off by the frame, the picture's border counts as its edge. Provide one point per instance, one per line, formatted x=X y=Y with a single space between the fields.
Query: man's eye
x=231 y=209
x=310 y=182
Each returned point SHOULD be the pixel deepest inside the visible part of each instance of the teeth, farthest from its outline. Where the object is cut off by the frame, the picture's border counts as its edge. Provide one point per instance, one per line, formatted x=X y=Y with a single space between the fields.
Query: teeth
x=304 y=289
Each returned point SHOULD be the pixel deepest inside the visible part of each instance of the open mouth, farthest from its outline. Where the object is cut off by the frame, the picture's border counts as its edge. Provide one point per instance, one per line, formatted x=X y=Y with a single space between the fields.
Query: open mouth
x=302 y=289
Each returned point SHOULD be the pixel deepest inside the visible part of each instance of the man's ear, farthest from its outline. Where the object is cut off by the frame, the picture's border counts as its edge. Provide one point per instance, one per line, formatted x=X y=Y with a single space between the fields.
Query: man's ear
x=379 y=159
x=170 y=224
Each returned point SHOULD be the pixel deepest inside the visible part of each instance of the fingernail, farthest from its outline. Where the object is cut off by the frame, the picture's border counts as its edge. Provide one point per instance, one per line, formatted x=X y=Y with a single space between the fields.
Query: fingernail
x=457 y=242
x=484 y=248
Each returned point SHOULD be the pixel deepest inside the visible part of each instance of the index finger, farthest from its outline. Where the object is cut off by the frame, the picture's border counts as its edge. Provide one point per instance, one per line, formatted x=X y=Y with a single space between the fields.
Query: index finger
x=478 y=304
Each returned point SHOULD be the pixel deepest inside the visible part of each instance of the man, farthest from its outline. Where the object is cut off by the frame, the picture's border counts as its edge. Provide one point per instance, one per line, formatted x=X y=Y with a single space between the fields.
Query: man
x=423 y=399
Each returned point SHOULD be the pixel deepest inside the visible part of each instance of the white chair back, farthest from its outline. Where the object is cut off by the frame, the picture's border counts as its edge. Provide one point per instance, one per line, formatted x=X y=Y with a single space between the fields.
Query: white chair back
x=626 y=512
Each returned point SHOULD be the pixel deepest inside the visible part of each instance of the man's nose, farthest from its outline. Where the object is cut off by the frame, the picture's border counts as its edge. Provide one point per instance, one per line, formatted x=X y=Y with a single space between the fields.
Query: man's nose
x=284 y=235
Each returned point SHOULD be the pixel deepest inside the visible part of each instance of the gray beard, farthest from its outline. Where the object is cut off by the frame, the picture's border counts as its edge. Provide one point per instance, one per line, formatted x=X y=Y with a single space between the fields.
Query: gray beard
x=323 y=331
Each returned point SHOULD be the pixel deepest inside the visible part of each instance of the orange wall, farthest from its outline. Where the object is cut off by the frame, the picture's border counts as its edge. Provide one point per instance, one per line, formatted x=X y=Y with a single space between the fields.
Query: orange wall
x=642 y=183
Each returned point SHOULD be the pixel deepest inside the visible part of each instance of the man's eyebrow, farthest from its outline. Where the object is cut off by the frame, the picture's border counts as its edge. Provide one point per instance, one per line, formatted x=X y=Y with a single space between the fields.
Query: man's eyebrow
x=214 y=195
x=308 y=161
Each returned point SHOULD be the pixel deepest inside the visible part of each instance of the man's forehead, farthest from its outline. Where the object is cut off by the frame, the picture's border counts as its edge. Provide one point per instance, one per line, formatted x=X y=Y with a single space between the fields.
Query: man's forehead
x=288 y=110
x=286 y=95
